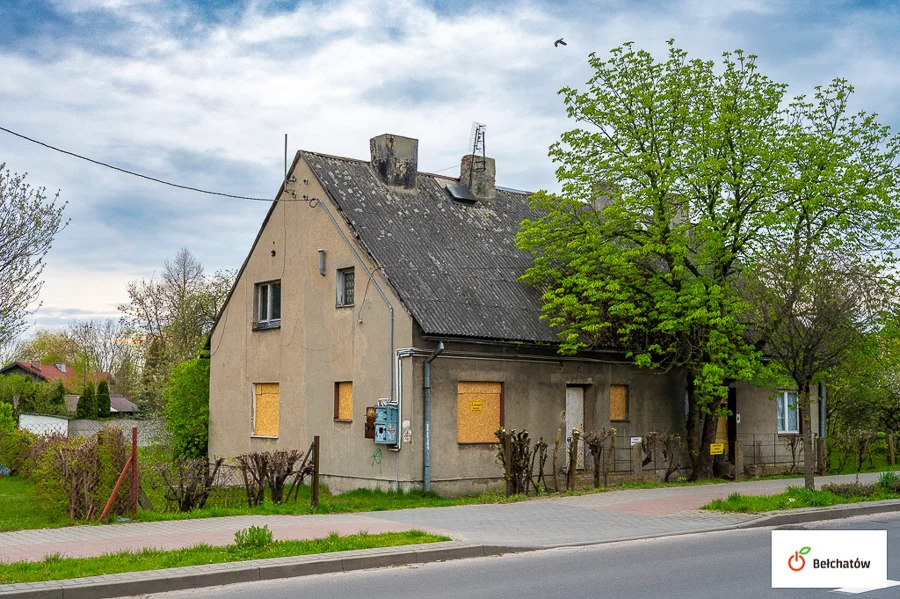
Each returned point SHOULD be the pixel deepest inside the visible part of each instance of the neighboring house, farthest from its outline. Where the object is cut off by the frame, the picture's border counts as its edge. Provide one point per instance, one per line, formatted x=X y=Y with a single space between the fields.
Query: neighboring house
x=53 y=372
x=361 y=270
x=72 y=381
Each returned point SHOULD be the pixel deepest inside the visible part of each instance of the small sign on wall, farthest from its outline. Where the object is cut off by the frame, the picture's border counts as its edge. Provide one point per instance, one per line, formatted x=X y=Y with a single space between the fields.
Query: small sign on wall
x=635 y=441
x=476 y=406
x=716 y=448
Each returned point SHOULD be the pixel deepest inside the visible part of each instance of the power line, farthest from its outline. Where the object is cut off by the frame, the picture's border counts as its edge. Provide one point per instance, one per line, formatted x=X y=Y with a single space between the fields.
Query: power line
x=128 y=172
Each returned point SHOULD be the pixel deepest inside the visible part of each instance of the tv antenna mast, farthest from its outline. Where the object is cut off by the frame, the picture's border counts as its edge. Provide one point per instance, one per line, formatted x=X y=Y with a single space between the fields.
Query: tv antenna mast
x=476 y=142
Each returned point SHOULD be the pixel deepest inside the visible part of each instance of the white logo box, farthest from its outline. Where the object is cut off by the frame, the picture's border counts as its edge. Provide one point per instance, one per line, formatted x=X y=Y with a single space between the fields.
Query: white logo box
x=844 y=554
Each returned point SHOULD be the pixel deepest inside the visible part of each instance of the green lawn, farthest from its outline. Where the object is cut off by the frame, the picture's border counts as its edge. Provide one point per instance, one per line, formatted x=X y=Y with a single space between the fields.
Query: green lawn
x=57 y=568
x=793 y=497
x=20 y=508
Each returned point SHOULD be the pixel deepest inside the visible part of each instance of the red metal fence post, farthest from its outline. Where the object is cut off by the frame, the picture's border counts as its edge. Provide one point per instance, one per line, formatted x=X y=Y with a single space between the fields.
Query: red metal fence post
x=134 y=470
x=314 y=494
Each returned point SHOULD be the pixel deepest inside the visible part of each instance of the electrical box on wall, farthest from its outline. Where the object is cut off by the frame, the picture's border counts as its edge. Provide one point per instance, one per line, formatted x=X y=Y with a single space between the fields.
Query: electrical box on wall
x=386 y=418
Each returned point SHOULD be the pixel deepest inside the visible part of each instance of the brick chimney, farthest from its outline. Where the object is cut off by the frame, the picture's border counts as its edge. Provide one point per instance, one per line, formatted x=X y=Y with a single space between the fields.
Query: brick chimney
x=36 y=364
x=479 y=175
x=396 y=158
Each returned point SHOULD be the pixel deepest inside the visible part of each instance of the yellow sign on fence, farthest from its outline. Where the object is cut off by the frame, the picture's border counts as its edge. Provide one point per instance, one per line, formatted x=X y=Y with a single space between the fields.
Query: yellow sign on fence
x=716 y=448
x=476 y=406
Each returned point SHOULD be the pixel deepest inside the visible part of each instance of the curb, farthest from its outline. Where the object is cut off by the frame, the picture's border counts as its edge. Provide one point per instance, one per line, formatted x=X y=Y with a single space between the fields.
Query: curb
x=815 y=514
x=195 y=577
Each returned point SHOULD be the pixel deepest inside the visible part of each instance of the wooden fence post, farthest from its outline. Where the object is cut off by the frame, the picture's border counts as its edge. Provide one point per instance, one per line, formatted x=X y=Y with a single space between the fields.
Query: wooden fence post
x=637 y=462
x=134 y=470
x=314 y=494
x=821 y=465
x=738 y=460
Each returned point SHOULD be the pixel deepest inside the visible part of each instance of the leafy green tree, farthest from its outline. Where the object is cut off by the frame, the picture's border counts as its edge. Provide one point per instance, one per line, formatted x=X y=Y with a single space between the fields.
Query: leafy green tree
x=17 y=390
x=8 y=419
x=682 y=177
x=30 y=221
x=102 y=400
x=87 y=408
x=187 y=408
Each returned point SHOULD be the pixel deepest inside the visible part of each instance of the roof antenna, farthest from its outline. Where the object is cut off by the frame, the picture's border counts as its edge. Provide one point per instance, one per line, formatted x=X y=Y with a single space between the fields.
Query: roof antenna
x=476 y=142
x=285 y=155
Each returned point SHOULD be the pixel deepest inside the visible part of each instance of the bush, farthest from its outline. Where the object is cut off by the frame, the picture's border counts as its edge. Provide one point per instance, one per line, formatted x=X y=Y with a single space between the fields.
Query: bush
x=78 y=475
x=7 y=417
x=851 y=490
x=15 y=447
x=187 y=409
x=888 y=479
x=255 y=537
x=102 y=400
x=86 y=407
x=188 y=482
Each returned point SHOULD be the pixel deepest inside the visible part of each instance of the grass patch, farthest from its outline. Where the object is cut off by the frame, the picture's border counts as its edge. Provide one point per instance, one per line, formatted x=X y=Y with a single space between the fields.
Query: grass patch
x=21 y=509
x=59 y=568
x=793 y=497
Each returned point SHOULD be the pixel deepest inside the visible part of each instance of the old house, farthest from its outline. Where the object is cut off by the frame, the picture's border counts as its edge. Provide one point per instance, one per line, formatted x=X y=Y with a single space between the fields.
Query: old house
x=372 y=288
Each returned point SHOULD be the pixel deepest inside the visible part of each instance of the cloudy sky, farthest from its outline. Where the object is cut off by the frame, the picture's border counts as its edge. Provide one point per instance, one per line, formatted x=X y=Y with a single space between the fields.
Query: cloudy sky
x=202 y=93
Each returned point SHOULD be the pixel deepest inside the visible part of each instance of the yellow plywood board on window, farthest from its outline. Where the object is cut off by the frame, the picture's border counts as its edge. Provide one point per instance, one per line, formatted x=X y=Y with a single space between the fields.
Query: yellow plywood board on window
x=267 y=408
x=618 y=402
x=345 y=401
x=478 y=411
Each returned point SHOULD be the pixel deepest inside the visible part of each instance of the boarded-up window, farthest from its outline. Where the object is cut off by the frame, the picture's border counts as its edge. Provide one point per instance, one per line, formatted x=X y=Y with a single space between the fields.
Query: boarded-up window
x=265 y=410
x=618 y=402
x=479 y=412
x=343 y=401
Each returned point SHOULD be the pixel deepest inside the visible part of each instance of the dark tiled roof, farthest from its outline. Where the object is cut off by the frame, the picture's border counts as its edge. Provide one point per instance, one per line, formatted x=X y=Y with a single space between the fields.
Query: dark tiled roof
x=120 y=403
x=455 y=266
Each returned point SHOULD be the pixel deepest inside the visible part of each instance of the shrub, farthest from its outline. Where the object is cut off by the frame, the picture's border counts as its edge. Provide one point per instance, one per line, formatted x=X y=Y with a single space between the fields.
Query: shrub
x=8 y=420
x=86 y=407
x=15 y=447
x=187 y=409
x=254 y=537
x=78 y=475
x=851 y=490
x=188 y=482
x=888 y=479
x=102 y=400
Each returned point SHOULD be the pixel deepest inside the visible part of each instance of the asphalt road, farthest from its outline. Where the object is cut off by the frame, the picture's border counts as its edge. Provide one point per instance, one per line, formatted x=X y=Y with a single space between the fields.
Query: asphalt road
x=732 y=564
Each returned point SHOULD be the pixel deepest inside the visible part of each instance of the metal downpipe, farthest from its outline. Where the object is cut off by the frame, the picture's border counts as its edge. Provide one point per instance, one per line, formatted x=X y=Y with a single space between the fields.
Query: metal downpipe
x=426 y=452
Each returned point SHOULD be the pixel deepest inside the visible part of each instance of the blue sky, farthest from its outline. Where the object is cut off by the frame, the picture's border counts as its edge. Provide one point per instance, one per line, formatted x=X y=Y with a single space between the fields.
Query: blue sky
x=202 y=93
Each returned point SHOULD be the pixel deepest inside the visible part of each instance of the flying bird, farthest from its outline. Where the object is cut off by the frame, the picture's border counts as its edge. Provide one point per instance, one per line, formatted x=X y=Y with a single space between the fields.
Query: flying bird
x=558 y=42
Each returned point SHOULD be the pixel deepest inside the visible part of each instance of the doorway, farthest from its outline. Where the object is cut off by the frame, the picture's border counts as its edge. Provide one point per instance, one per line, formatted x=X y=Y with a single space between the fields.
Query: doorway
x=575 y=419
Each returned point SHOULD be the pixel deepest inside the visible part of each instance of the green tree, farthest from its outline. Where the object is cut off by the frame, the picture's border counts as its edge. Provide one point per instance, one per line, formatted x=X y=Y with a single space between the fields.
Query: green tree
x=187 y=408
x=102 y=400
x=87 y=408
x=682 y=179
x=30 y=221
x=17 y=390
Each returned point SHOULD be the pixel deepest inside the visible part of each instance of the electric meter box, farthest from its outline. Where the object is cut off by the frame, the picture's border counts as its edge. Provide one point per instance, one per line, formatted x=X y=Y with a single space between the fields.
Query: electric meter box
x=386 y=425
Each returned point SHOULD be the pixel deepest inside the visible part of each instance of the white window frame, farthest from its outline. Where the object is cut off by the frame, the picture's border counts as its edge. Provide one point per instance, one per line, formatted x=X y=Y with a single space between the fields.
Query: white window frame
x=786 y=401
x=341 y=298
x=269 y=304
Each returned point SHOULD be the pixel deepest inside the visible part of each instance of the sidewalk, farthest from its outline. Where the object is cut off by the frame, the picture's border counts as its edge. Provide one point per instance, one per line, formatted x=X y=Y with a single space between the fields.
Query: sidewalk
x=536 y=523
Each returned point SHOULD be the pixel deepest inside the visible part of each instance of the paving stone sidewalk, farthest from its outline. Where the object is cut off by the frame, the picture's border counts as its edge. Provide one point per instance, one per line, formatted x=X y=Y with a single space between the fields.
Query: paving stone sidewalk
x=599 y=517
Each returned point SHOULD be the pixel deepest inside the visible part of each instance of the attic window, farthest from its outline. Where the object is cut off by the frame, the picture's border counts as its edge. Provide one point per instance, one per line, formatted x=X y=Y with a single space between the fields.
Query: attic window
x=268 y=304
x=346 y=287
x=460 y=193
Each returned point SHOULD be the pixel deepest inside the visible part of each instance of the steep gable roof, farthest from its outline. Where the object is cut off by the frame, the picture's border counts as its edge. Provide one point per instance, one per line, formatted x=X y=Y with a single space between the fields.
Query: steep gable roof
x=453 y=264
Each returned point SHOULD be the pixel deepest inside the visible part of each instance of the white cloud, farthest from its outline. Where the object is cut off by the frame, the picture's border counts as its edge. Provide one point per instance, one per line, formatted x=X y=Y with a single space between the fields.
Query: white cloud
x=207 y=104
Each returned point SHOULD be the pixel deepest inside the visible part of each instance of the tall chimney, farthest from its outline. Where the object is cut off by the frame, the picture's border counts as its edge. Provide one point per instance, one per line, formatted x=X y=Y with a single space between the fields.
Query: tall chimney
x=479 y=175
x=396 y=158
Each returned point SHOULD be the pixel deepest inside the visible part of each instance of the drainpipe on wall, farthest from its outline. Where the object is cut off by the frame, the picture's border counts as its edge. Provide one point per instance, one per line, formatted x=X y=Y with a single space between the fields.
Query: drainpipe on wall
x=426 y=458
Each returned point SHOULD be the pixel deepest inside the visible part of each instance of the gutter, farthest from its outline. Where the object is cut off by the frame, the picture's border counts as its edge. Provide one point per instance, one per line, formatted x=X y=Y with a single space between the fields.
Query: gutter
x=426 y=457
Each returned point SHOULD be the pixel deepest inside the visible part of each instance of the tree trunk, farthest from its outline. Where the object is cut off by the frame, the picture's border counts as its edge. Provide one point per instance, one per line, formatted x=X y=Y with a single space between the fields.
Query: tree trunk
x=808 y=454
x=692 y=427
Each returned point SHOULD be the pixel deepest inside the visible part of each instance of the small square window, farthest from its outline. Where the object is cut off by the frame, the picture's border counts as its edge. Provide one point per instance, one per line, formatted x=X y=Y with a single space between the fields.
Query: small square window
x=268 y=302
x=346 y=286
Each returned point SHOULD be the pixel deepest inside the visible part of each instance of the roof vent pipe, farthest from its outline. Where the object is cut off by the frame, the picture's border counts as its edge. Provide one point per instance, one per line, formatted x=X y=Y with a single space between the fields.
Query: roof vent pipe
x=321 y=262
